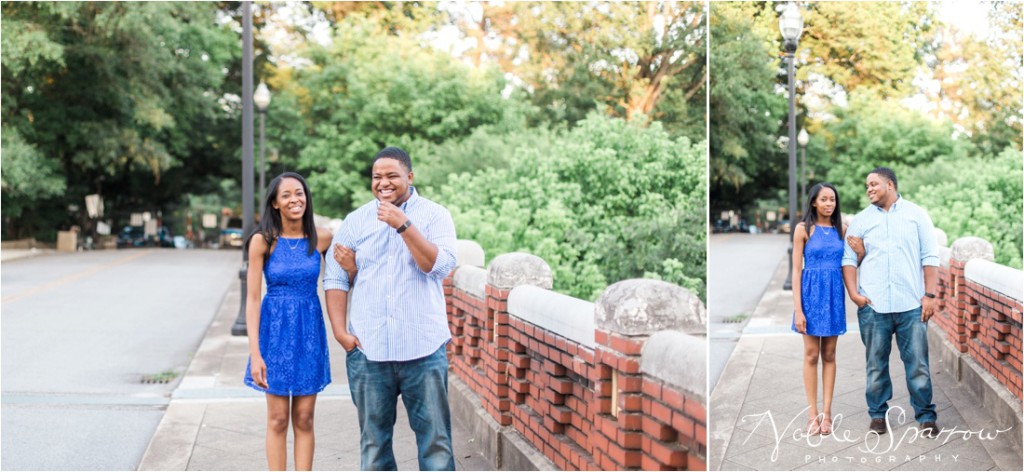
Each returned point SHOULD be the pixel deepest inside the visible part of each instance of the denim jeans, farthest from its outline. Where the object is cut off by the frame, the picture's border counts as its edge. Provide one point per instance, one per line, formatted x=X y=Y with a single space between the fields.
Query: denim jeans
x=877 y=330
x=423 y=385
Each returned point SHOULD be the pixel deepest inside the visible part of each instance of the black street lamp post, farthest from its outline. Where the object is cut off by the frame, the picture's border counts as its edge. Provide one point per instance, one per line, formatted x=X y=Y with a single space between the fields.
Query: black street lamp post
x=239 y=328
x=262 y=100
x=791 y=24
x=802 y=139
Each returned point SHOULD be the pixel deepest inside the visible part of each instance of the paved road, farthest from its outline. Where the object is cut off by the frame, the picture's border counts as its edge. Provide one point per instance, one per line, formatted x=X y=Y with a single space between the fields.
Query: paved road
x=80 y=331
x=739 y=268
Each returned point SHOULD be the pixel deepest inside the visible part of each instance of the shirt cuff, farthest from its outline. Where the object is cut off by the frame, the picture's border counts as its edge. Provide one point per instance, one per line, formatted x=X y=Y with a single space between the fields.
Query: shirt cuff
x=342 y=285
x=930 y=261
x=443 y=264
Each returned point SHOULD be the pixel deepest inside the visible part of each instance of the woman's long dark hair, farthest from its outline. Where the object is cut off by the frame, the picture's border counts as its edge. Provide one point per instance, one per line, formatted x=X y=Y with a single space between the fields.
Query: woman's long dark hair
x=270 y=219
x=811 y=214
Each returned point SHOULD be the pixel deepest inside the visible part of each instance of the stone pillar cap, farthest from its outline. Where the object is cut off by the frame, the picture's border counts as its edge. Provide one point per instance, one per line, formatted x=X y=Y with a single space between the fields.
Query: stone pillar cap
x=970 y=247
x=639 y=307
x=511 y=270
x=468 y=253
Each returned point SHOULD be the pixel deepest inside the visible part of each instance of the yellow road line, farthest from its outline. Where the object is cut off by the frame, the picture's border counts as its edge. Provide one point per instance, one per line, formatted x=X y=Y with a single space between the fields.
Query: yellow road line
x=73 y=277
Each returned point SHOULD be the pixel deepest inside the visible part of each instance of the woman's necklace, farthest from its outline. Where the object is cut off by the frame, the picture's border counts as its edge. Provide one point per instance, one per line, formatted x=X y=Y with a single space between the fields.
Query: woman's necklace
x=290 y=245
x=826 y=229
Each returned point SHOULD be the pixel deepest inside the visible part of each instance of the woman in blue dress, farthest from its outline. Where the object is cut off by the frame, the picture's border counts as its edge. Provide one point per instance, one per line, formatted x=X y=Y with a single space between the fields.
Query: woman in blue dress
x=818 y=297
x=288 y=355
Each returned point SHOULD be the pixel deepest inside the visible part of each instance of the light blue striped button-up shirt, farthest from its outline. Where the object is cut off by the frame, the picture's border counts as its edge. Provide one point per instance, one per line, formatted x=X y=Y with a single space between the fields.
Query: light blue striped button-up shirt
x=899 y=243
x=395 y=309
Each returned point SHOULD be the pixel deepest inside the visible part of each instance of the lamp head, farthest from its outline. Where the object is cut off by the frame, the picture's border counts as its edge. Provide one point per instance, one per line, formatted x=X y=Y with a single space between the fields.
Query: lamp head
x=262 y=97
x=791 y=24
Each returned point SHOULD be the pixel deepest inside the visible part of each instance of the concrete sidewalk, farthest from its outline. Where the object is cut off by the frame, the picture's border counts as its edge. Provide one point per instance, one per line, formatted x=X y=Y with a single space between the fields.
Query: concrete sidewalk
x=15 y=254
x=758 y=408
x=215 y=422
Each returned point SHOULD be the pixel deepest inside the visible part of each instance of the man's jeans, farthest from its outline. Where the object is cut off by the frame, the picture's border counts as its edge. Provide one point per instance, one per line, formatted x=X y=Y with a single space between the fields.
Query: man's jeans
x=876 y=330
x=423 y=384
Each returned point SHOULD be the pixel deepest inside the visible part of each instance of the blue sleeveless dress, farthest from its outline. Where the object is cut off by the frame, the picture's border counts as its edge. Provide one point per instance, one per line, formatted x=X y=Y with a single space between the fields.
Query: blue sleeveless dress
x=293 y=340
x=821 y=284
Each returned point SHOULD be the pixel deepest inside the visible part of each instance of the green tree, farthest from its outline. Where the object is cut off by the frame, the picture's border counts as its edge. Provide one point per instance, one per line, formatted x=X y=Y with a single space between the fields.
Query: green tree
x=745 y=111
x=606 y=201
x=111 y=98
x=878 y=45
x=369 y=90
x=974 y=196
x=979 y=79
x=871 y=133
x=635 y=60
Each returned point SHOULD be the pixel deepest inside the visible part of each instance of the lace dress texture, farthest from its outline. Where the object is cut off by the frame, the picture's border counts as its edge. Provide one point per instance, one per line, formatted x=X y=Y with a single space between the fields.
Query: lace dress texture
x=821 y=284
x=293 y=340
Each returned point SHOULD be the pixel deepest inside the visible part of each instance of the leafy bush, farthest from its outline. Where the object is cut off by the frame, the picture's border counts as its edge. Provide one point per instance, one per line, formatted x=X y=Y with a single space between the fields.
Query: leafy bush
x=976 y=196
x=606 y=201
x=369 y=90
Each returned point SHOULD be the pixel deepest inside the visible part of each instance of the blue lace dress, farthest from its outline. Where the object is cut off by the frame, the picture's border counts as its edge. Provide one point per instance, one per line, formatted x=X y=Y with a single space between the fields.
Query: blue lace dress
x=821 y=284
x=293 y=340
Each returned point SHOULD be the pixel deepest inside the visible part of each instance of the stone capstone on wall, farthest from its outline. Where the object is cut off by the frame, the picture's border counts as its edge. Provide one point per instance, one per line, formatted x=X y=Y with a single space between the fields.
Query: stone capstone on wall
x=567 y=316
x=508 y=271
x=638 y=307
x=678 y=359
x=999 y=278
x=472 y=280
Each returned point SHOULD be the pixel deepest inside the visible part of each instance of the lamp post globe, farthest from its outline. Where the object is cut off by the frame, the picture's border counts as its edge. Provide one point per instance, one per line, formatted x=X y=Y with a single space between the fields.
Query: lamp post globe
x=791 y=25
x=262 y=97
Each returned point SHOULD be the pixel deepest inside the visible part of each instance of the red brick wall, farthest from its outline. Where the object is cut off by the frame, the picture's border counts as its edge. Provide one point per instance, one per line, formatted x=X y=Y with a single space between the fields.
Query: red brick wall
x=982 y=323
x=558 y=393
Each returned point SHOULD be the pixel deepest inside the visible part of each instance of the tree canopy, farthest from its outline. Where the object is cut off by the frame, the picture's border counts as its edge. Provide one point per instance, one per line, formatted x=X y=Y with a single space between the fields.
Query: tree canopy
x=113 y=98
x=527 y=115
x=878 y=83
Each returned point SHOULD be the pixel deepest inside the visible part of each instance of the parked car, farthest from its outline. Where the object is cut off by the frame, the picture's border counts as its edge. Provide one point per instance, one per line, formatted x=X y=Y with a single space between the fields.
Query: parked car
x=231 y=236
x=131 y=236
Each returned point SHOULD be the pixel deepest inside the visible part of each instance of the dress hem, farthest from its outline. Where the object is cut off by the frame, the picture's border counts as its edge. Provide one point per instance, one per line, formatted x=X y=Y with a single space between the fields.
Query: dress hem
x=282 y=393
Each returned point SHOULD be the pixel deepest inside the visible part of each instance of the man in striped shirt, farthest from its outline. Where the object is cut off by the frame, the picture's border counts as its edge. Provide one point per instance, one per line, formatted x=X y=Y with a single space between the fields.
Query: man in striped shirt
x=392 y=321
x=894 y=289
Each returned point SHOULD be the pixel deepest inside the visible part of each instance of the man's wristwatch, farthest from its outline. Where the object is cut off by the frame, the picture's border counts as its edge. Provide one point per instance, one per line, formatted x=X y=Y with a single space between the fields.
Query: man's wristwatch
x=404 y=226
x=929 y=295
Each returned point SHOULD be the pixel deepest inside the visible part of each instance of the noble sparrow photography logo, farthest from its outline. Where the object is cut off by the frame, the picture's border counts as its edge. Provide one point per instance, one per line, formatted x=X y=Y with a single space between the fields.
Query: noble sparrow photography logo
x=870 y=442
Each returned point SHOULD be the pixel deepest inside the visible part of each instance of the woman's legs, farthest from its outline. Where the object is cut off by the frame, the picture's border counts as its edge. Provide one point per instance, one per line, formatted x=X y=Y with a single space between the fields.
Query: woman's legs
x=277 y=431
x=828 y=379
x=811 y=354
x=302 y=424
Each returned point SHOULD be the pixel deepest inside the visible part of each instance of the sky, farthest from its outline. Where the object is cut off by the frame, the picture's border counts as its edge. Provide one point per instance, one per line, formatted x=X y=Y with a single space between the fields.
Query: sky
x=966 y=15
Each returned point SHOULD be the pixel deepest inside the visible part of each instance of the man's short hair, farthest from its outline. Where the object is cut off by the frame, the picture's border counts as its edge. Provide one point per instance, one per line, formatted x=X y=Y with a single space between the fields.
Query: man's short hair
x=888 y=174
x=392 y=152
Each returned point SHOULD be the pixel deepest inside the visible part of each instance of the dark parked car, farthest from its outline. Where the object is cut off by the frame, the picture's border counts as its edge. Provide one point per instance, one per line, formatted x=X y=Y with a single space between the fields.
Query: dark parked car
x=135 y=236
x=131 y=236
